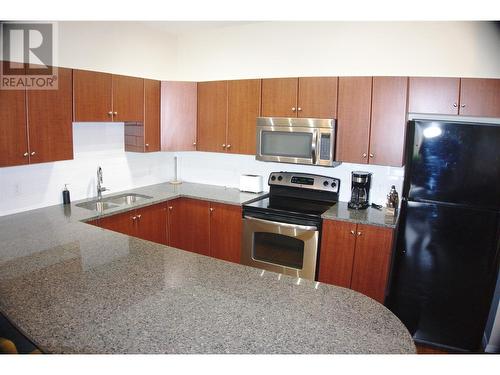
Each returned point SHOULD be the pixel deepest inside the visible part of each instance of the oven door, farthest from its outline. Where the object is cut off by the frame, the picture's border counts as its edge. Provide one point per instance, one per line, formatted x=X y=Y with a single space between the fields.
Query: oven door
x=290 y=249
x=287 y=144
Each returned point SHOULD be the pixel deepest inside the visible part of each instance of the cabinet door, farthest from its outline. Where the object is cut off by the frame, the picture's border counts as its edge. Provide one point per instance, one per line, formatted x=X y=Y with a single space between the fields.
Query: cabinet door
x=151 y=115
x=178 y=116
x=337 y=253
x=50 y=121
x=189 y=225
x=317 y=97
x=13 y=129
x=128 y=99
x=372 y=260
x=433 y=95
x=480 y=97
x=242 y=112
x=122 y=223
x=279 y=97
x=353 y=125
x=388 y=121
x=92 y=96
x=225 y=232
x=212 y=112
x=151 y=223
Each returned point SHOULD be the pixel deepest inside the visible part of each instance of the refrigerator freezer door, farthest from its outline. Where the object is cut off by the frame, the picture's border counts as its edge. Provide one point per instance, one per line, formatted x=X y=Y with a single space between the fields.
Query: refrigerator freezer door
x=453 y=163
x=444 y=273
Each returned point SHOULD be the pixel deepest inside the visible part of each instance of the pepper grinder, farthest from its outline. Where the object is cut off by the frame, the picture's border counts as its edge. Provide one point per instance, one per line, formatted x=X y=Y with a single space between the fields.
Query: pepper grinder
x=392 y=201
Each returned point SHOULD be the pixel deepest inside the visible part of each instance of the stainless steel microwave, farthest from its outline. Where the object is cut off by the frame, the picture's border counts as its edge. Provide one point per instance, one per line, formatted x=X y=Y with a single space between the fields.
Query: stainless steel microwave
x=296 y=140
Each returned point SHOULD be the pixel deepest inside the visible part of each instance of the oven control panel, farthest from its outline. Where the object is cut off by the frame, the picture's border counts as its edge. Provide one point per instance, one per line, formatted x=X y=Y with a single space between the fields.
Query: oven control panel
x=305 y=181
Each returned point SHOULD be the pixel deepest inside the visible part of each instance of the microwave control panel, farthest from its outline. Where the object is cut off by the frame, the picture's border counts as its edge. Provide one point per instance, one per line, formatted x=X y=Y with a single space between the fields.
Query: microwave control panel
x=325 y=146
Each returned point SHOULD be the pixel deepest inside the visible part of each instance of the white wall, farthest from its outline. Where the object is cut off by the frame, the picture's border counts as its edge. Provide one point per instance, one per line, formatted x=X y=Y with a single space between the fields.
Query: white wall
x=39 y=185
x=129 y=48
x=223 y=169
x=280 y=49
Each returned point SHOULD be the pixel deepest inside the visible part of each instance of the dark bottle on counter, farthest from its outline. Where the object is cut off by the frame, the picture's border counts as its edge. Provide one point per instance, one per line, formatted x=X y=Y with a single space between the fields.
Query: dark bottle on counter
x=66 y=198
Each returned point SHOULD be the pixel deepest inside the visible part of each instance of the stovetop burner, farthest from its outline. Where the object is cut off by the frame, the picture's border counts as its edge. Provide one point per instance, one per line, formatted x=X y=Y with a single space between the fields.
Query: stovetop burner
x=296 y=195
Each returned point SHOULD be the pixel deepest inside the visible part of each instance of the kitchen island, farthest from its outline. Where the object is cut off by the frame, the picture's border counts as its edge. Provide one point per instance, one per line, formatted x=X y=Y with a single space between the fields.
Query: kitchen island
x=76 y=288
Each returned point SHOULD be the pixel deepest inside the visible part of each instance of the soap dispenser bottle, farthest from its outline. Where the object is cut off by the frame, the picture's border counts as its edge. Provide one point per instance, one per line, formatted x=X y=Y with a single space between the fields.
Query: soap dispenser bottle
x=65 y=193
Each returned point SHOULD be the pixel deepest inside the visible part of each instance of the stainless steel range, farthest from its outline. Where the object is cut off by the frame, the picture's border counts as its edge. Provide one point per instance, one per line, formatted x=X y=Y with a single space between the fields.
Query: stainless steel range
x=281 y=230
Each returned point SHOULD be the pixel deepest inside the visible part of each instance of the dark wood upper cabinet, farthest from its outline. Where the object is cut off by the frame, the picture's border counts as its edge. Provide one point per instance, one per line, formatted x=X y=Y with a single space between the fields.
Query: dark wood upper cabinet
x=151 y=115
x=244 y=98
x=50 y=118
x=480 y=97
x=388 y=120
x=353 y=119
x=433 y=95
x=337 y=253
x=92 y=96
x=317 y=97
x=151 y=223
x=178 y=116
x=225 y=232
x=189 y=225
x=212 y=113
x=13 y=128
x=372 y=260
x=128 y=98
x=279 y=97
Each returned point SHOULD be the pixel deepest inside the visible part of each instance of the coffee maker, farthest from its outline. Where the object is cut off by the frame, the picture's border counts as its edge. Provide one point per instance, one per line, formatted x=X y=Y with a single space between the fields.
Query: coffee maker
x=360 y=190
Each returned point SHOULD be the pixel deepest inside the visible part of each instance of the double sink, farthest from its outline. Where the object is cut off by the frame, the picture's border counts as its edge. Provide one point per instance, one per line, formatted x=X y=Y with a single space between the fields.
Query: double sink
x=113 y=202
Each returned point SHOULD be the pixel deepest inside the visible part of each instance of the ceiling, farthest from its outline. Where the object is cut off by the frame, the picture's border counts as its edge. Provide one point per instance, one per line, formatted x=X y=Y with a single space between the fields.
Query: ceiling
x=187 y=27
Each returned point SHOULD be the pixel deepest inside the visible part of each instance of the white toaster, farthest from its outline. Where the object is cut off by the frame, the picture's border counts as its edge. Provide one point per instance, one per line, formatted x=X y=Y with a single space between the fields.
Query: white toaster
x=251 y=183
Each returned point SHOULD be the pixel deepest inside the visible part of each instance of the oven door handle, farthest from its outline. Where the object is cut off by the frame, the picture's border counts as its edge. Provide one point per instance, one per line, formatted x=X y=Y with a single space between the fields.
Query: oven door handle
x=287 y=225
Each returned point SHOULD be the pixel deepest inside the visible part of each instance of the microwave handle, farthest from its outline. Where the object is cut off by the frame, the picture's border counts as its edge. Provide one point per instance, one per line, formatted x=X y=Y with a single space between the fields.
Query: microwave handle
x=313 y=146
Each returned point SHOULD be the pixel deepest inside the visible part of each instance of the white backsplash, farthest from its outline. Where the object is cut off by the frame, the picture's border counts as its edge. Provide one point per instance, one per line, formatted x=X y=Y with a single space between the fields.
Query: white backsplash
x=32 y=186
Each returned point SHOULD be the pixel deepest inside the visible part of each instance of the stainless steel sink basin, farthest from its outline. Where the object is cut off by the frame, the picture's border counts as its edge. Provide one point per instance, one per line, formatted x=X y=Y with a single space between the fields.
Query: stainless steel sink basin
x=113 y=202
x=99 y=206
x=128 y=199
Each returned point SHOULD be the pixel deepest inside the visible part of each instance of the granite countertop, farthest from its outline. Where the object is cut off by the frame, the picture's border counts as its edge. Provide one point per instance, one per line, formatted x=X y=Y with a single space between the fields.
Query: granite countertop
x=75 y=288
x=370 y=216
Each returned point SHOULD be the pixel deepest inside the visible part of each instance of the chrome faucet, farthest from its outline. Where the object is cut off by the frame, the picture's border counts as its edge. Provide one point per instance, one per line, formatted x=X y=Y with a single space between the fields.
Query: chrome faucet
x=100 y=188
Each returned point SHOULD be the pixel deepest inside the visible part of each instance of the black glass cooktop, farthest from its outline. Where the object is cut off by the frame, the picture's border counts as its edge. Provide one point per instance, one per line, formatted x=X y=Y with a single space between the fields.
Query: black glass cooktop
x=286 y=205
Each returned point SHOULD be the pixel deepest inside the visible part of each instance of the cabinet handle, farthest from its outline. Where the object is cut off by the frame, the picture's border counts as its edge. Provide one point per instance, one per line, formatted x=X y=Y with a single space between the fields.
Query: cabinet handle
x=223 y=145
x=147 y=144
x=25 y=154
x=134 y=218
x=293 y=109
x=110 y=113
x=212 y=209
x=115 y=113
x=194 y=143
x=372 y=156
x=228 y=146
x=170 y=207
x=139 y=216
x=359 y=233
x=463 y=106
x=353 y=232
x=299 y=109
x=364 y=155
x=32 y=153
x=455 y=105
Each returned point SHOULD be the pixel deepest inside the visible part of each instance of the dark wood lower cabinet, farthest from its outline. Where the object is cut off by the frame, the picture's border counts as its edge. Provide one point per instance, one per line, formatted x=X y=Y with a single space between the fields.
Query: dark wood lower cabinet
x=356 y=256
x=189 y=225
x=151 y=223
x=225 y=232
x=337 y=253
x=195 y=225
x=372 y=260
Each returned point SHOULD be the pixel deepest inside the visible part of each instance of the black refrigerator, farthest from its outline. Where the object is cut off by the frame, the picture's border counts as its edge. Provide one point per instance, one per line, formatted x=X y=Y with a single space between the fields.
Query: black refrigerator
x=446 y=258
